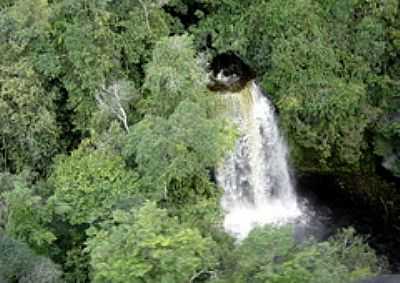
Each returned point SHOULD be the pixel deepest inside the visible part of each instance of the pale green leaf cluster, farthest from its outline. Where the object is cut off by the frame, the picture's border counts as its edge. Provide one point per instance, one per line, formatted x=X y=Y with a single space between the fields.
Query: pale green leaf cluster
x=182 y=137
x=27 y=218
x=147 y=245
x=88 y=184
x=271 y=255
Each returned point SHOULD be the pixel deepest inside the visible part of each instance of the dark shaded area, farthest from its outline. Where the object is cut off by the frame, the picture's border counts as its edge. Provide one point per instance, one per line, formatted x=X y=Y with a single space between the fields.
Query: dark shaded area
x=70 y=238
x=385 y=172
x=382 y=279
x=70 y=137
x=233 y=69
x=332 y=208
x=188 y=12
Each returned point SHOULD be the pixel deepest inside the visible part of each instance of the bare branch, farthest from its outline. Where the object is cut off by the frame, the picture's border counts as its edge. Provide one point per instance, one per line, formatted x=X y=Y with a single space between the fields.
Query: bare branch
x=115 y=105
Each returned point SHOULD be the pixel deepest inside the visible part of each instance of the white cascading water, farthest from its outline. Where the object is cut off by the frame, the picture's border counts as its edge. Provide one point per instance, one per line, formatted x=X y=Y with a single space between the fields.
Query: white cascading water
x=255 y=177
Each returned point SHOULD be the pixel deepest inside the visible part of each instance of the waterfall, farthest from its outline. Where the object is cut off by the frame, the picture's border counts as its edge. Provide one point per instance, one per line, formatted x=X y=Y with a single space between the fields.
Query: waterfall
x=255 y=177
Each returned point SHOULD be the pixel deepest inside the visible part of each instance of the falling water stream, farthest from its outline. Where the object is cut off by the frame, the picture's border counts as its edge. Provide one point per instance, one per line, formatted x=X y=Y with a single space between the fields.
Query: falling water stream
x=255 y=177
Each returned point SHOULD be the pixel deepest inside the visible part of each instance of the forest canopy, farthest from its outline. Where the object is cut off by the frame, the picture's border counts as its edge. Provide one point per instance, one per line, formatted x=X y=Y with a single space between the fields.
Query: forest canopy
x=109 y=136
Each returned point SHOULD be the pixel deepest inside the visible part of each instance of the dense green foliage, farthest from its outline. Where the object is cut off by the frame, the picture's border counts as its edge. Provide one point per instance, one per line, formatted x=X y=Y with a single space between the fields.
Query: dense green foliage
x=109 y=135
x=147 y=245
x=181 y=137
x=332 y=69
x=19 y=264
x=89 y=184
x=271 y=255
x=27 y=217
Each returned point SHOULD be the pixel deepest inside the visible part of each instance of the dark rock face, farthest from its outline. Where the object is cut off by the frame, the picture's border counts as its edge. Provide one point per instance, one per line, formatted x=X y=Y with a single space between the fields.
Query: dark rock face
x=382 y=279
x=330 y=208
x=229 y=73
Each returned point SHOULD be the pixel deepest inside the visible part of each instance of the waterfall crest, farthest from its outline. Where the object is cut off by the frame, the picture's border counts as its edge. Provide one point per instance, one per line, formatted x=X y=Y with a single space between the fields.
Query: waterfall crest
x=255 y=176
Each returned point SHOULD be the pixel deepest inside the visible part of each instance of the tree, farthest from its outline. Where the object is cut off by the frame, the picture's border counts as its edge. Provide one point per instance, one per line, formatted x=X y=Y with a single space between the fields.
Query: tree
x=7 y=184
x=270 y=254
x=326 y=65
x=173 y=75
x=146 y=245
x=182 y=137
x=28 y=130
x=101 y=42
x=114 y=99
x=89 y=184
x=19 y=264
x=174 y=156
x=27 y=218
x=105 y=118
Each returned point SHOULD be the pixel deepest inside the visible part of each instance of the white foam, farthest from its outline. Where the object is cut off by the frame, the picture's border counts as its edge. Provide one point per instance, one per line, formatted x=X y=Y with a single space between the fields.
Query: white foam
x=255 y=177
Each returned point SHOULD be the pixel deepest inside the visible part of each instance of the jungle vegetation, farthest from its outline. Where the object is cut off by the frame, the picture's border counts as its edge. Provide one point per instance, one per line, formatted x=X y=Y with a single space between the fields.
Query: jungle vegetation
x=109 y=134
